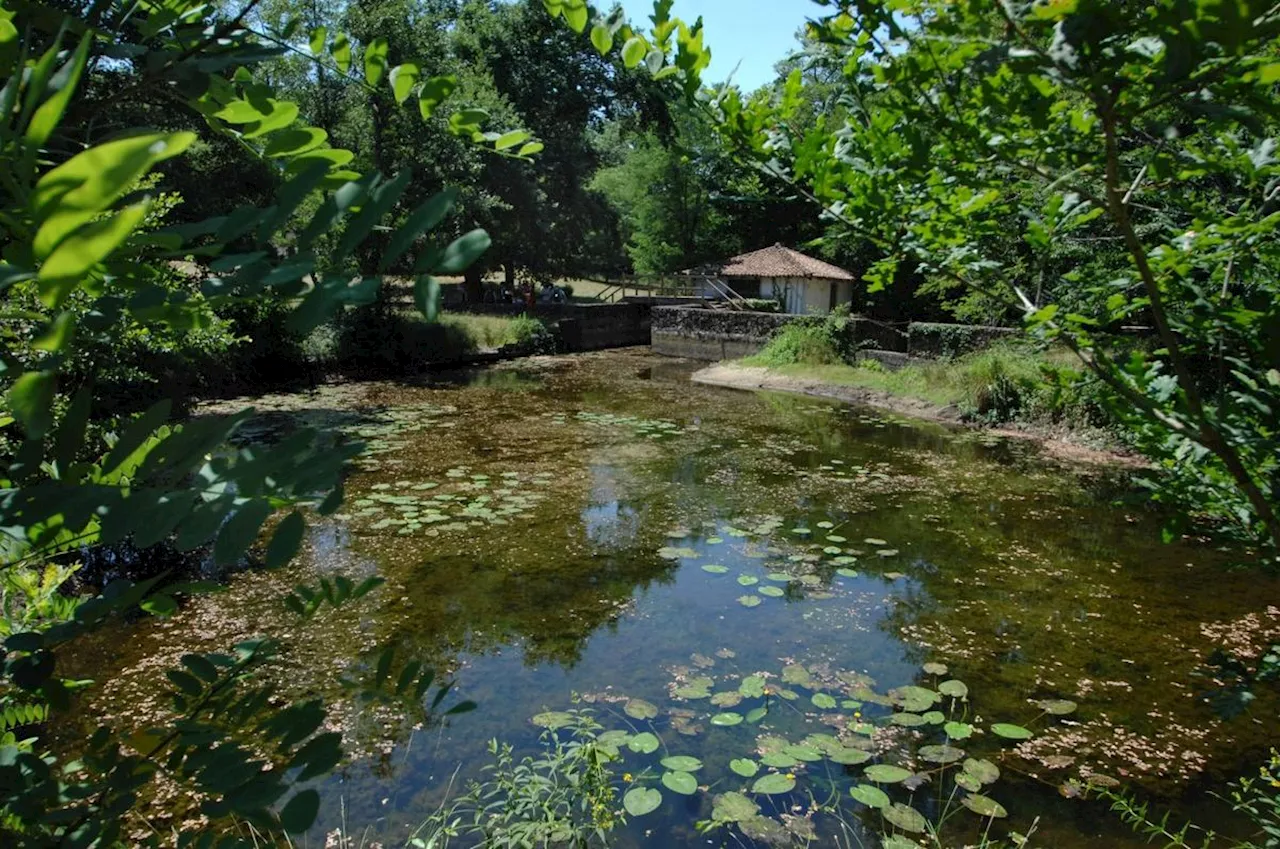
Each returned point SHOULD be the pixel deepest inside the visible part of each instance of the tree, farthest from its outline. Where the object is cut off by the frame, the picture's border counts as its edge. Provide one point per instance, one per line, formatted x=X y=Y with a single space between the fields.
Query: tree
x=1147 y=127
x=82 y=258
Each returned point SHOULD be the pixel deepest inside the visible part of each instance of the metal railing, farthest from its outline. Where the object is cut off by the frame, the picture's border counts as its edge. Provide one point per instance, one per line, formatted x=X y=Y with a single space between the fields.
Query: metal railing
x=665 y=286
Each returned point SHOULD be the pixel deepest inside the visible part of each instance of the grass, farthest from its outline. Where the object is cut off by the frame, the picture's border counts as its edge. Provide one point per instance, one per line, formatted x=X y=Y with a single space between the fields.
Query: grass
x=1003 y=383
x=488 y=331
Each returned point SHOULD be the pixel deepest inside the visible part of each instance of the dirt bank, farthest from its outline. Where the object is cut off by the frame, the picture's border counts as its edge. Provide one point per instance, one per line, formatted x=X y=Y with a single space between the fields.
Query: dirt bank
x=1057 y=443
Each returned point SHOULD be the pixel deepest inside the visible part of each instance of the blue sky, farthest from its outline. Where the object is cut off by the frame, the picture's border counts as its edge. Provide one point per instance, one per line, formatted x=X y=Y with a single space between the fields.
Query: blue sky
x=756 y=33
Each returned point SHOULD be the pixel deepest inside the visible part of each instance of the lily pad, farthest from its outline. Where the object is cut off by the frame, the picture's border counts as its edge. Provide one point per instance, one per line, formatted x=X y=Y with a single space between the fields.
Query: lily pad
x=669 y=553
x=778 y=760
x=823 y=701
x=888 y=552
x=1057 y=707
x=801 y=532
x=1011 y=732
x=795 y=673
x=640 y=709
x=968 y=782
x=680 y=782
x=935 y=717
x=886 y=774
x=682 y=763
x=872 y=797
x=752 y=686
x=874 y=541
x=748 y=580
x=983 y=770
x=773 y=784
x=750 y=600
x=745 y=767
x=728 y=699
x=905 y=817
x=757 y=714
x=715 y=568
x=644 y=743
x=958 y=730
x=984 y=806
x=641 y=800
x=935 y=668
x=772 y=592
x=733 y=807
x=941 y=754
x=801 y=752
x=727 y=719
x=954 y=689
x=847 y=573
x=780 y=577
x=849 y=757
x=897 y=841
x=826 y=526
x=553 y=719
x=908 y=720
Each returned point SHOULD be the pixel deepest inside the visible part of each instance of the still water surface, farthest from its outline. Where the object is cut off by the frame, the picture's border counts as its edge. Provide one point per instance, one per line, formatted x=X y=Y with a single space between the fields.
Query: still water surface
x=589 y=532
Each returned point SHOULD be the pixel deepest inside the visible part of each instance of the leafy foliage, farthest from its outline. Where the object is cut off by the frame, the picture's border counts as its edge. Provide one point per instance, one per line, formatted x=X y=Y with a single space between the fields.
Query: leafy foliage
x=82 y=256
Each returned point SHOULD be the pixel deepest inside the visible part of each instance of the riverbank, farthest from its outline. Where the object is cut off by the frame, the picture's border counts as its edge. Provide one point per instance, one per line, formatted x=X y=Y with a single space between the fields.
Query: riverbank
x=847 y=383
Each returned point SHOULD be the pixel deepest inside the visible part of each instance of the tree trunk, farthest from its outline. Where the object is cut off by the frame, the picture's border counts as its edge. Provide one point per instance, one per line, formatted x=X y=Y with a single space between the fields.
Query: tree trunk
x=473 y=285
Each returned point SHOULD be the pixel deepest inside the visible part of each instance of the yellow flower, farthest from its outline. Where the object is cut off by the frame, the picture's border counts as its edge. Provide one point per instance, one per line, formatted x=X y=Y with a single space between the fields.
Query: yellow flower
x=626 y=776
x=791 y=775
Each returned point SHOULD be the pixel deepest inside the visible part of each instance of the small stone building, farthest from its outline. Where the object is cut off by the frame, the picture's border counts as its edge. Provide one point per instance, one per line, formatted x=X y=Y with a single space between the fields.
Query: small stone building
x=802 y=284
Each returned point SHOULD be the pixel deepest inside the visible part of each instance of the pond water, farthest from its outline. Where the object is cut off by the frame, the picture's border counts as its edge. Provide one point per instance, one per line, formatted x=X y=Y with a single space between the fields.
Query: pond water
x=735 y=573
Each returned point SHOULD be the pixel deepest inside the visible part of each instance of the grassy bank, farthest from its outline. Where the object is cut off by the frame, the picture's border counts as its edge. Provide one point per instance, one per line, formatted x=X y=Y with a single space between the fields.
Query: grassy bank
x=1003 y=384
x=388 y=340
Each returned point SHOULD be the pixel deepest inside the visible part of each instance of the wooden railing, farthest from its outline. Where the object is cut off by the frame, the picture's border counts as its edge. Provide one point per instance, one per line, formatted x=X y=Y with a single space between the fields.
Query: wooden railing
x=664 y=286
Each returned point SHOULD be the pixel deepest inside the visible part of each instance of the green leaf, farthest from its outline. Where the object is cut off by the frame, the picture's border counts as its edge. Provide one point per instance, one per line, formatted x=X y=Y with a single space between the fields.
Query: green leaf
x=602 y=39
x=745 y=767
x=634 y=51
x=57 y=335
x=340 y=50
x=434 y=92
x=823 y=701
x=30 y=400
x=282 y=114
x=63 y=85
x=463 y=251
x=184 y=682
x=984 y=806
x=886 y=773
x=421 y=220
x=403 y=79
x=84 y=186
x=511 y=139
x=532 y=148
x=426 y=295
x=682 y=763
x=773 y=784
x=240 y=531
x=872 y=797
x=319 y=36
x=905 y=817
x=640 y=709
x=644 y=743
x=136 y=434
x=641 y=800
x=69 y=264
x=1011 y=732
x=680 y=782
x=298 y=815
x=286 y=540
x=375 y=60
x=295 y=141
x=576 y=15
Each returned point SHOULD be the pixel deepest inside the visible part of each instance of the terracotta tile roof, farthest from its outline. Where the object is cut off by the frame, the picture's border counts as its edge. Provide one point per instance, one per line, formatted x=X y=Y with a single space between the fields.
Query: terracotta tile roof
x=775 y=261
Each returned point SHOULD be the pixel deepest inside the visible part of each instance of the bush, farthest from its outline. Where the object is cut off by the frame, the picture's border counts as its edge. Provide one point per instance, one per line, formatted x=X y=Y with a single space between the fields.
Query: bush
x=762 y=305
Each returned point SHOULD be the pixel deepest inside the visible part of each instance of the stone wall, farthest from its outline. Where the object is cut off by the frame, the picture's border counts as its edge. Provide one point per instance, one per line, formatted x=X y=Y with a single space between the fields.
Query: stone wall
x=714 y=335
